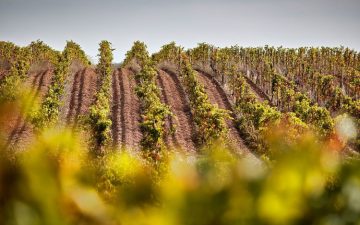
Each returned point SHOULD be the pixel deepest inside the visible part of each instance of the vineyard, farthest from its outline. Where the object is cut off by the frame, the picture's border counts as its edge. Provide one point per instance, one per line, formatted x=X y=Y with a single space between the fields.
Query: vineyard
x=182 y=99
x=134 y=120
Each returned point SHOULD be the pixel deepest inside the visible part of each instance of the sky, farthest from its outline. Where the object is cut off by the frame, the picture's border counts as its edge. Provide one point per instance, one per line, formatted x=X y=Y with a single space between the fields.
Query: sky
x=288 y=23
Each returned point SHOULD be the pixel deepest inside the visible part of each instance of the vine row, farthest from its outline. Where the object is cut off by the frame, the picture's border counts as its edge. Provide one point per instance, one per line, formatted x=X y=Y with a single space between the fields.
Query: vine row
x=99 y=116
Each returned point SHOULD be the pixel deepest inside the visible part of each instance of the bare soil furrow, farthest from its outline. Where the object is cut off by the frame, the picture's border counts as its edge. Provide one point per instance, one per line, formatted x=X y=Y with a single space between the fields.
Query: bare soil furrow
x=170 y=139
x=88 y=89
x=131 y=109
x=115 y=109
x=37 y=84
x=74 y=96
x=122 y=106
x=125 y=110
x=218 y=96
x=82 y=94
x=260 y=95
x=21 y=130
x=174 y=95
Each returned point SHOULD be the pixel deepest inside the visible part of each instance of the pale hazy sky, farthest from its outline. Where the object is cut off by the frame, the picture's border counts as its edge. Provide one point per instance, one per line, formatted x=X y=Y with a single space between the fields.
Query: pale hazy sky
x=290 y=23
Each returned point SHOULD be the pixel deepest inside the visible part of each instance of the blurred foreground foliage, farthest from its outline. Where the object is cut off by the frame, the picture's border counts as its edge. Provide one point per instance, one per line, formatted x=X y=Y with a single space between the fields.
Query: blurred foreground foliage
x=58 y=181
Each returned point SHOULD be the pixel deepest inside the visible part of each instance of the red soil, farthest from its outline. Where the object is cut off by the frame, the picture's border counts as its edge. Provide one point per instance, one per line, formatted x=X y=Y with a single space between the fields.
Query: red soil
x=82 y=94
x=218 y=96
x=19 y=130
x=125 y=110
x=174 y=96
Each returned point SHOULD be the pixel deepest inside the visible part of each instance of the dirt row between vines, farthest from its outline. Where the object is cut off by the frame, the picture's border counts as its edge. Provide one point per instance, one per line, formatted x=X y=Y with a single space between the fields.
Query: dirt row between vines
x=82 y=94
x=125 y=110
x=218 y=96
x=19 y=128
x=256 y=90
x=174 y=96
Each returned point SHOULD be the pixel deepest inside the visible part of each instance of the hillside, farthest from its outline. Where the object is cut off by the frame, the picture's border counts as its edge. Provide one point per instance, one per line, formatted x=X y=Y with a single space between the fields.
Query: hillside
x=199 y=136
x=245 y=89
